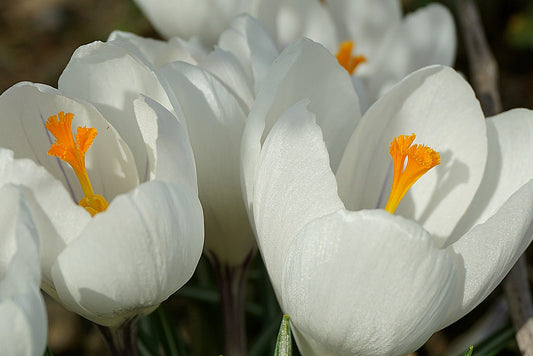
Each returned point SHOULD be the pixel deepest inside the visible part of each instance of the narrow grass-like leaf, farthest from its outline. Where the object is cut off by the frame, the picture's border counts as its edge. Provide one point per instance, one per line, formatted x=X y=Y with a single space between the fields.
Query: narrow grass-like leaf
x=158 y=336
x=496 y=342
x=469 y=351
x=284 y=341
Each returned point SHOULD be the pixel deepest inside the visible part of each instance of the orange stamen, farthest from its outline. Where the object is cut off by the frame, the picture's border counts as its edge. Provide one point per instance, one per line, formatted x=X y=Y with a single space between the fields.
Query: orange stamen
x=420 y=159
x=345 y=58
x=73 y=152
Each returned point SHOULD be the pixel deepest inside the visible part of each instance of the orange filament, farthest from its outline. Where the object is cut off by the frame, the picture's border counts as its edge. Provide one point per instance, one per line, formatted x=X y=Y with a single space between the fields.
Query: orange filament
x=420 y=159
x=73 y=152
x=345 y=58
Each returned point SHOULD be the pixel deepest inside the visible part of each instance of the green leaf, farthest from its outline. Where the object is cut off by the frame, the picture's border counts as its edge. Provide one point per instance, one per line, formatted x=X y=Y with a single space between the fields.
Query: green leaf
x=469 y=351
x=284 y=341
x=47 y=352
x=496 y=342
x=158 y=336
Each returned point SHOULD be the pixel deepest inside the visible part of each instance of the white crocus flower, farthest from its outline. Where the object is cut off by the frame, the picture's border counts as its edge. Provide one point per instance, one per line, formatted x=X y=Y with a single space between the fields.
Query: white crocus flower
x=23 y=325
x=211 y=92
x=387 y=45
x=355 y=278
x=129 y=257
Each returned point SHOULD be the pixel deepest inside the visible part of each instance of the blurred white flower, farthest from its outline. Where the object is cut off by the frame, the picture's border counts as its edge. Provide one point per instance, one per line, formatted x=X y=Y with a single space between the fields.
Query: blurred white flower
x=354 y=278
x=23 y=326
x=392 y=46
x=134 y=254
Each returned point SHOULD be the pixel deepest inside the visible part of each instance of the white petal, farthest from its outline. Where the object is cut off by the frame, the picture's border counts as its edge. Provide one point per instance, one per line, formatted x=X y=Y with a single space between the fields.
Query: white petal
x=151 y=239
x=110 y=77
x=305 y=18
x=424 y=37
x=153 y=52
x=439 y=106
x=365 y=283
x=510 y=153
x=215 y=122
x=330 y=92
x=294 y=185
x=168 y=144
x=252 y=46
x=109 y=162
x=23 y=327
x=485 y=254
x=186 y=18
x=228 y=70
x=58 y=219
x=365 y=22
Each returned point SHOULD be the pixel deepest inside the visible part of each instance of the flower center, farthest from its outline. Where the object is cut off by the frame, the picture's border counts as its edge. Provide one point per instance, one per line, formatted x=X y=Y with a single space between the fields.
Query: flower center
x=73 y=152
x=345 y=58
x=420 y=159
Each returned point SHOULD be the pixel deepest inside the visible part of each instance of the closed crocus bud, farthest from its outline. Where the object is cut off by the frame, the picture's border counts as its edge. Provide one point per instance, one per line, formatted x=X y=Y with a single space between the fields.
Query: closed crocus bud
x=119 y=221
x=360 y=273
x=23 y=326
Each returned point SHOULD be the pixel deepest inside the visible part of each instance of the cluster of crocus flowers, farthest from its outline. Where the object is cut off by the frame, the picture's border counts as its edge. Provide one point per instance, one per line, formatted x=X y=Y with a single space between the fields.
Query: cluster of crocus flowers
x=112 y=181
x=405 y=269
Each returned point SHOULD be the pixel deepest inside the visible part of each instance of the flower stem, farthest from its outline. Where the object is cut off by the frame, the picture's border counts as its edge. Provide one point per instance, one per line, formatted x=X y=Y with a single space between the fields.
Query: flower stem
x=122 y=340
x=231 y=286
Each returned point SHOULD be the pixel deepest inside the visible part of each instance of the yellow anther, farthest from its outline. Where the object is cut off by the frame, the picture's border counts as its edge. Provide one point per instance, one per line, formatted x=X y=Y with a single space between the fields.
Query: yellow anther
x=420 y=159
x=73 y=152
x=345 y=58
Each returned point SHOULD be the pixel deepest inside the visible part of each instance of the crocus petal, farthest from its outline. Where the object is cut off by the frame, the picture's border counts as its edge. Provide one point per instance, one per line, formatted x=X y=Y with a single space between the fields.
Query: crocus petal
x=109 y=162
x=167 y=139
x=151 y=238
x=248 y=41
x=23 y=325
x=294 y=185
x=57 y=218
x=228 y=70
x=153 y=52
x=501 y=212
x=110 y=77
x=485 y=254
x=187 y=18
x=364 y=22
x=390 y=290
x=331 y=94
x=439 y=106
x=305 y=18
x=509 y=145
x=424 y=37
x=215 y=123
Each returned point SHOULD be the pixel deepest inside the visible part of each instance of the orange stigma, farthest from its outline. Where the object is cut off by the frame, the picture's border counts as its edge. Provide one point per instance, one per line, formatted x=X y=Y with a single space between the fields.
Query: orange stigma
x=73 y=152
x=345 y=58
x=420 y=159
